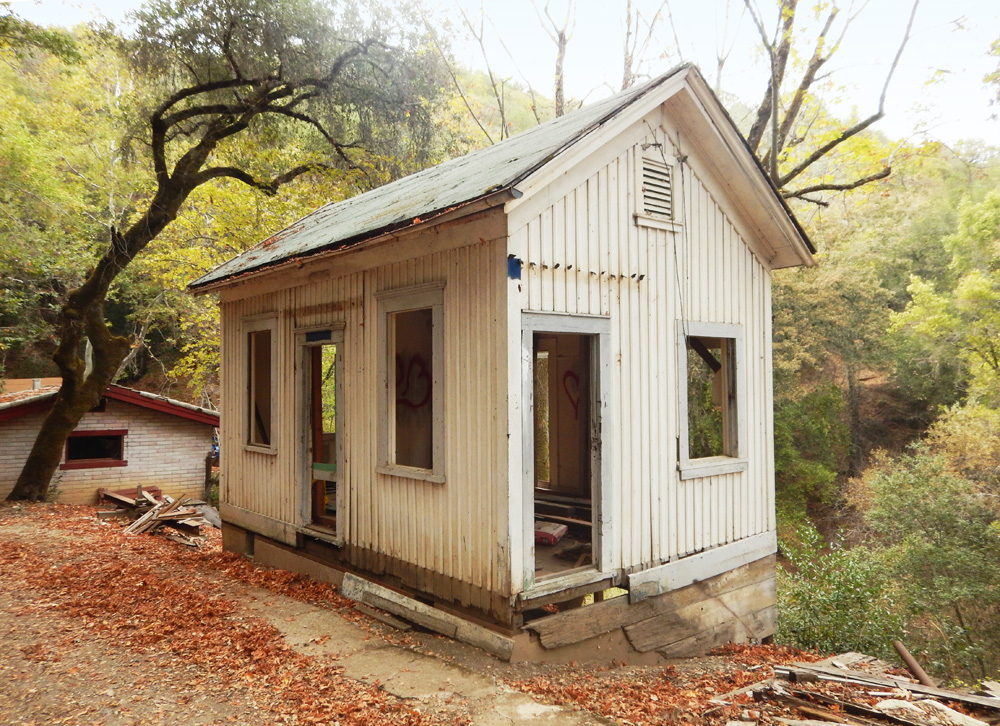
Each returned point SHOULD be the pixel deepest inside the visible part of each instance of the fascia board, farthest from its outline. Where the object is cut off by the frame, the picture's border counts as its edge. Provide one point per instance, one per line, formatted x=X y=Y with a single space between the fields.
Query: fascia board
x=769 y=219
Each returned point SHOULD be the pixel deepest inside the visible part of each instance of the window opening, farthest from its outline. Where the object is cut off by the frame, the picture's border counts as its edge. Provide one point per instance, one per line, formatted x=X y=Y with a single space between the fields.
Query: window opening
x=91 y=449
x=412 y=429
x=259 y=349
x=563 y=438
x=711 y=397
x=94 y=447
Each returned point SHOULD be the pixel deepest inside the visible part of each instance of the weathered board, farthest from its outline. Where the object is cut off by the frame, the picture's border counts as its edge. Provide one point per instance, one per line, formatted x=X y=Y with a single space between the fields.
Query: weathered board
x=708 y=614
x=580 y=624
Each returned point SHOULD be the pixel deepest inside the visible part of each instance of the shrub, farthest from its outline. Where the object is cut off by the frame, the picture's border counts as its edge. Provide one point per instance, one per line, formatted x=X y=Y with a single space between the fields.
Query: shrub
x=836 y=599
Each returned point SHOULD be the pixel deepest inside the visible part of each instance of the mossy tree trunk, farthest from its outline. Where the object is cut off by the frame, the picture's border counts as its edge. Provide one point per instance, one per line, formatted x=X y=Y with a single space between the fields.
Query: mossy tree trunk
x=81 y=319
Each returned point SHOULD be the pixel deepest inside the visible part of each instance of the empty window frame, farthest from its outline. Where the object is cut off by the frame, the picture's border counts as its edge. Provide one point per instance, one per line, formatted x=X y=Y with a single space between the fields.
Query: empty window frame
x=411 y=436
x=260 y=362
x=712 y=399
x=95 y=449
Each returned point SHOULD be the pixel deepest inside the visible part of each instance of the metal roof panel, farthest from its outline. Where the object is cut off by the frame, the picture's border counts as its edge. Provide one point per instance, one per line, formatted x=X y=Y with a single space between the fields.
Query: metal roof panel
x=428 y=192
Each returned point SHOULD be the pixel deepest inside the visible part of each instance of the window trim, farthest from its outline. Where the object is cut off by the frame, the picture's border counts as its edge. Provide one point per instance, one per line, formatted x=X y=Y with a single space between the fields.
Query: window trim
x=711 y=465
x=254 y=324
x=94 y=463
x=417 y=297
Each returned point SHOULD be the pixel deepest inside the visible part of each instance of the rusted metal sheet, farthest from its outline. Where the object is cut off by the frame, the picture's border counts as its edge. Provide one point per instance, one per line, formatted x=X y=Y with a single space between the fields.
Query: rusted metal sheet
x=421 y=196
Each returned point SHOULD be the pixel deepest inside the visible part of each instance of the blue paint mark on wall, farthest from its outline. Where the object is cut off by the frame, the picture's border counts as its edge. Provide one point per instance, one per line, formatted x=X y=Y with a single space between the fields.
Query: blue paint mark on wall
x=513 y=268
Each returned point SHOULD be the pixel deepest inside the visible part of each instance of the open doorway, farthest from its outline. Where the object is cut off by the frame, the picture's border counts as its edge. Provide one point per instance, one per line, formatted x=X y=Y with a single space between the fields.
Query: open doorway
x=564 y=438
x=322 y=369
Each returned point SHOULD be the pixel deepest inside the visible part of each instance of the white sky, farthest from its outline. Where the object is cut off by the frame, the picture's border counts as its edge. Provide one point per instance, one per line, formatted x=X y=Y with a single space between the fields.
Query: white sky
x=950 y=40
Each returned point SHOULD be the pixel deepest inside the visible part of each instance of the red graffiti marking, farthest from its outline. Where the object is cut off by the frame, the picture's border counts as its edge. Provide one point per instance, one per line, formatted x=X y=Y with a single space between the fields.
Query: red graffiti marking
x=571 y=384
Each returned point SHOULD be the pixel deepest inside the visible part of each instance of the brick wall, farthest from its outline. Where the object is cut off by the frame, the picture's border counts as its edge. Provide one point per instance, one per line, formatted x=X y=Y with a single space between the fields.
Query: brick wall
x=161 y=450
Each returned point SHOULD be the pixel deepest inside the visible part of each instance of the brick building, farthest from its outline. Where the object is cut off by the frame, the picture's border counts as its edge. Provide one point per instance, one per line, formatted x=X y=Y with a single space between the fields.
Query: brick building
x=130 y=438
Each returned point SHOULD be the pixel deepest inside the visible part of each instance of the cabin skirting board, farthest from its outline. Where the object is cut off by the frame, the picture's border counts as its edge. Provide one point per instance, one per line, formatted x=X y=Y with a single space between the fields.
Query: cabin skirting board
x=736 y=606
x=326 y=562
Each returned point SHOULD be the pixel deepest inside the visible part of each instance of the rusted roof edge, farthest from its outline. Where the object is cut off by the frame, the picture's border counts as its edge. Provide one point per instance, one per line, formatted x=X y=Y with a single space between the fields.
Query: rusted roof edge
x=493 y=198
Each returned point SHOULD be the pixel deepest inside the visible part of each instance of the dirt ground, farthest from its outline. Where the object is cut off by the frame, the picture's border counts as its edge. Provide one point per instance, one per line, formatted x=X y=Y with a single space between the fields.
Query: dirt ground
x=103 y=628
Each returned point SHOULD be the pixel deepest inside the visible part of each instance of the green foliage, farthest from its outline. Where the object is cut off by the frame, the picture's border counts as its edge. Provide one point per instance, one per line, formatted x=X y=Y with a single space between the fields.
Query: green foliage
x=961 y=322
x=811 y=444
x=61 y=181
x=705 y=426
x=835 y=599
x=968 y=438
x=22 y=37
x=940 y=533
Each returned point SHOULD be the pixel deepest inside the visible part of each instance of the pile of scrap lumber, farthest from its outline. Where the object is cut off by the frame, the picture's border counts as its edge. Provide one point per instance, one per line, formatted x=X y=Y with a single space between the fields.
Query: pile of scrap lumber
x=150 y=511
x=860 y=690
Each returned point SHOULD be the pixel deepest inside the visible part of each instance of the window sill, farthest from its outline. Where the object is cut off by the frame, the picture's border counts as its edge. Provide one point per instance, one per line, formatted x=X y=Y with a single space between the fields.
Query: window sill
x=410 y=472
x=711 y=466
x=93 y=464
x=257 y=448
x=325 y=534
x=648 y=220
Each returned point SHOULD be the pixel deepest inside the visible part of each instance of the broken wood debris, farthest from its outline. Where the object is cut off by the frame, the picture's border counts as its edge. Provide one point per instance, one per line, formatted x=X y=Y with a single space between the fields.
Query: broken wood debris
x=150 y=511
x=860 y=690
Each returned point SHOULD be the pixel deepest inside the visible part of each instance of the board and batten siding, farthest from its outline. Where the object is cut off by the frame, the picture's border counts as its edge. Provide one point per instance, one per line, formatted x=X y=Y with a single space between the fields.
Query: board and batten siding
x=584 y=254
x=445 y=538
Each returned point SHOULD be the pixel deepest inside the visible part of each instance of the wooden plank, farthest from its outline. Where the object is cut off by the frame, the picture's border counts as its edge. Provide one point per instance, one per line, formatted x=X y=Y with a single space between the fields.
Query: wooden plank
x=139 y=525
x=669 y=627
x=566 y=520
x=754 y=625
x=587 y=622
x=360 y=590
x=829 y=673
x=990 y=688
x=119 y=498
x=383 y=617
x=414 y=615
x=693 y=568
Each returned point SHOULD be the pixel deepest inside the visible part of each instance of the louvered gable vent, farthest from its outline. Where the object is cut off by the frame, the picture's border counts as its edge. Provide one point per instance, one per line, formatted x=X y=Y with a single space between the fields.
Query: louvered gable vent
x=657 y=197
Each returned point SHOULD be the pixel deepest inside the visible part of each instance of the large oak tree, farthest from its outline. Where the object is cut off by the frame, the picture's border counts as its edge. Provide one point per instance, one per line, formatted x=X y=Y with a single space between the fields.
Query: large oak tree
x=215 y=80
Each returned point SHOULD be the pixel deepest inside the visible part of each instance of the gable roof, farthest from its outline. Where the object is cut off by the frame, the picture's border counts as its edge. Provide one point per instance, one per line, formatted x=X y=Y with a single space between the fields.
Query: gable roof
x=448 y=187
x=21 y=403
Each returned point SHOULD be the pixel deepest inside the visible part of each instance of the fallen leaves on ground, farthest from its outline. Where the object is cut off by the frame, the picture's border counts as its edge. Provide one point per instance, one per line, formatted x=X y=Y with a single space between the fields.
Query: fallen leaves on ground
x=667 y=694
x=123 y=589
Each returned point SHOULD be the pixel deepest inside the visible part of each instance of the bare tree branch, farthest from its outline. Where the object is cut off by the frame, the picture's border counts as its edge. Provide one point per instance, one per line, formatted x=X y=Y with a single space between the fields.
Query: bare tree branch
x=632 y=48
x=497 y=94
x=268 y=187
x=801 y=193
x=560 y=35
x=815 y=63
x=861 y=125
x=777 y=50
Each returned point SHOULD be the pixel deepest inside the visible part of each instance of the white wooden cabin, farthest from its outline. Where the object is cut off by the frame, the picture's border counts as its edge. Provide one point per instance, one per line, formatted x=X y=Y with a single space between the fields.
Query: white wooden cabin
x=416 y=378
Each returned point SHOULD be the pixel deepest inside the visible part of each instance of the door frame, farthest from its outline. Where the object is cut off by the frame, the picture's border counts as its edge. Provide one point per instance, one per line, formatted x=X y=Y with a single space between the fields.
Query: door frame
x=303 y=437
x=599 y=329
